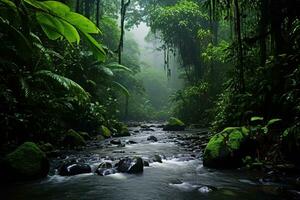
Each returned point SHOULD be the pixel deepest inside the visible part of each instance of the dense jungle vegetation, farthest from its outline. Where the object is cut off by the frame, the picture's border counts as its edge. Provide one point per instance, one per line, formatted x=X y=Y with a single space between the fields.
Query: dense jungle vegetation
x=71 y=67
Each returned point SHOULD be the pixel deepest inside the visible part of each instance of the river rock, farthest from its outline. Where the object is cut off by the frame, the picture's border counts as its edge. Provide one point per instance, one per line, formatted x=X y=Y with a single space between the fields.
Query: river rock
x=116 y=141
x=146 y=163
x=85 y=135
x=27 y=162
x=137 y=167
x=174 y=124
x=152 y=138
x=105 y=169
x=73 y=168
x=132 y=166
x=73 y=139
x=226 y=149
x=157 y=158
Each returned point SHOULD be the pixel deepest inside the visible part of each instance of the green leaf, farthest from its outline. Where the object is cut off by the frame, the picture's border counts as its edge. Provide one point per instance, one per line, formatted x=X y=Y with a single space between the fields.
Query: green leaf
x=272 y=121
x=57 y=7
x=70 y=33
x=10 y=4
x=95 y=47
x=116 y=66
x=52 y=27
x=107 y=71
x=122 y=88
x=253 y=119
x=81 y=22
x=69 y=85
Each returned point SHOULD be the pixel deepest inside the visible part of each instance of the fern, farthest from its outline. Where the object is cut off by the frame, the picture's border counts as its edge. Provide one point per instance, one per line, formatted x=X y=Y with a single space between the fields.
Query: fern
x=69 y=85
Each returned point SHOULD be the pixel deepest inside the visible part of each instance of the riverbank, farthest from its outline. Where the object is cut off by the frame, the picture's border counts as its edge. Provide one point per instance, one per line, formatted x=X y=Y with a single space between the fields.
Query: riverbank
x=178 y=174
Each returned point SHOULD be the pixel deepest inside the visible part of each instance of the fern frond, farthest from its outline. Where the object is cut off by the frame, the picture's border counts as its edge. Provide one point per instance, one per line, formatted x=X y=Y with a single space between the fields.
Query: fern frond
x=121 y=88
x=69 y=85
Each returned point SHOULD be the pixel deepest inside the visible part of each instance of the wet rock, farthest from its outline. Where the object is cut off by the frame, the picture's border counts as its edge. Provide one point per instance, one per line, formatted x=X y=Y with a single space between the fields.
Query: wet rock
x=85 y=135
x=137 y=167
x=132 y=166
x=106 y=172
x=118 y=151
x=144 y=126
x=105 y=169
x=72 y=168
x=130 y=142
x=205 y=189
x=124 y=165
x=146 y=163
x=226 y=149
x=136 y=131
x=27 y=162
x=146 y=129
x=157 y=158
x=116 y=141
x=174 y=124
x=105 y=165
x=152 y=138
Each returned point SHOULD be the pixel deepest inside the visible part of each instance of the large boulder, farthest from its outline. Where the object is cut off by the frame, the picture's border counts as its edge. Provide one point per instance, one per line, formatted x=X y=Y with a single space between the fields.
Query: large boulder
x=105 y=169
x=174 y=124
x=73 y=139
x=72 y=168
x=132 y=166
x=226 y=149
x=27 y=162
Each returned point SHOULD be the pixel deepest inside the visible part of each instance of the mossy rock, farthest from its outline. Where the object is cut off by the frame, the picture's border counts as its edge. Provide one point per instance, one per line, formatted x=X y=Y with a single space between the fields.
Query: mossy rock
x=73 y=139
x=174 y=124
x=85 y=135
x=27 y=162
x=226 y=149
x=46 y=147
x=122 y=131
x=105 y=131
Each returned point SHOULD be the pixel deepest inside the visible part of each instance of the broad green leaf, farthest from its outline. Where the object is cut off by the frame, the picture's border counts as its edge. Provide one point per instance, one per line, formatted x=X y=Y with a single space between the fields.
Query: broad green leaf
x=36 y=4
x=49 y=31
x=10 y=4
x=272 y=121
x=117 y=66
x=256 y=119
x=57 y=7
x=70 y=33
x=122 y=88
x=50 y=25
x=81 y=22
x=107 y=71
x=95 y=47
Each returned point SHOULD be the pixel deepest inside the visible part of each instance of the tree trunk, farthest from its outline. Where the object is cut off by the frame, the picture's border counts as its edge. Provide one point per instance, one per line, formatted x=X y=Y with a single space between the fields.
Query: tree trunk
x=87 y=11
x=239 y=45
x=262 y=31
x=97 y=12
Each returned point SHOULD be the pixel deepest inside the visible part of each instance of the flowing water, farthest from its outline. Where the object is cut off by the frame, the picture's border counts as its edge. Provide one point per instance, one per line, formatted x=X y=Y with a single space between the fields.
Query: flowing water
x=181 y=175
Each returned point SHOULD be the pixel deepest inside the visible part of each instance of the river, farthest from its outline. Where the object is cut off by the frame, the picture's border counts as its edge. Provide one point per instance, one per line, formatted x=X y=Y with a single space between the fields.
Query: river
x=181 y=175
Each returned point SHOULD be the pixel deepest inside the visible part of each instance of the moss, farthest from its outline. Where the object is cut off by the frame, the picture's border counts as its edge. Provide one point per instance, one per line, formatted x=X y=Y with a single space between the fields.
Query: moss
x=73 y=139
x=175 y=122
x=225 y=146
x=28 y=161
x=105 y=131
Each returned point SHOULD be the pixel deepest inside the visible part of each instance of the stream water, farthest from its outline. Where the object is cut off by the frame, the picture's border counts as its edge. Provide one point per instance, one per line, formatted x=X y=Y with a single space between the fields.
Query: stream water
x=181 y=175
